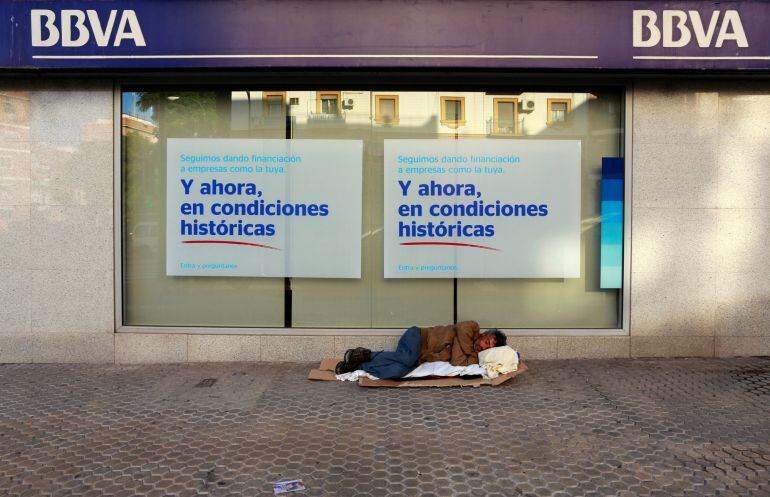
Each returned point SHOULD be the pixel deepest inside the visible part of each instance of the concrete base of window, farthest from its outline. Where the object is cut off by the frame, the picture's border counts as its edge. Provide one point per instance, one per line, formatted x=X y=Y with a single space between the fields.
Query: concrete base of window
x=143 y=348
x=15 y=349
x=73 y=347
x=742 y=346
x=58 y=348
x=685 y=346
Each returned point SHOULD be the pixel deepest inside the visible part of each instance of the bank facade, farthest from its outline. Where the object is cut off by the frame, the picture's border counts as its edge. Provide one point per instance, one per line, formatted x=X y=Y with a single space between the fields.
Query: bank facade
x=241 y=181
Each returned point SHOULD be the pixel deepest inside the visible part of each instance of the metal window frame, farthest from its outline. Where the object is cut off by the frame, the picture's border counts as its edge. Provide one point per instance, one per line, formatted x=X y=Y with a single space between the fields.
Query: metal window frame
x=560 y=81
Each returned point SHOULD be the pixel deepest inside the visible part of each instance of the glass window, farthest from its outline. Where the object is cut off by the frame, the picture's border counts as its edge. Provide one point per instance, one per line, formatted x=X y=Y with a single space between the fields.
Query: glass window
x=274 y=104
x=452 y=111
x=386 y=108
x=328 y=103
x=505 y=115
x=151 y=297
x=558 y=109
x=151 y=117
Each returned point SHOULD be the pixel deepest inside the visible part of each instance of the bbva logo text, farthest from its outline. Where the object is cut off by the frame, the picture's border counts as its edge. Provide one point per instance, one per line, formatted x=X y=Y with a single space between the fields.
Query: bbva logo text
x=679 y=26
x=75 y=28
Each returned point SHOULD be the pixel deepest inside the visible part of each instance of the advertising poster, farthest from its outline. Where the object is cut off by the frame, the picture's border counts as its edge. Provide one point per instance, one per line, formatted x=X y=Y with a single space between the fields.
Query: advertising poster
x=481 y=208
x=252 y=207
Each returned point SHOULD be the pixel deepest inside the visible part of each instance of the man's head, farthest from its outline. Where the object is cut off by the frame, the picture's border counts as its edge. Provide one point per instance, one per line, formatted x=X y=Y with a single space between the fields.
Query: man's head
x=488 y=339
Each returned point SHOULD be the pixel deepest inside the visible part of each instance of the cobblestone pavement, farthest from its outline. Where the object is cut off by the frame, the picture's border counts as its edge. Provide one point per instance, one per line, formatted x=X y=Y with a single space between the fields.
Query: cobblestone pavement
x=584 y=428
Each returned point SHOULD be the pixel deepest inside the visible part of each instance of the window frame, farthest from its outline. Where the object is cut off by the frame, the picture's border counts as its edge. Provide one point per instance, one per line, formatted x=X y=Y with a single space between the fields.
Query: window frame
x=156 y=82
x=378 y=114
x=266 y=105
x=495 y=115
x=319 y=104
x=552 y=101
x=453 y=123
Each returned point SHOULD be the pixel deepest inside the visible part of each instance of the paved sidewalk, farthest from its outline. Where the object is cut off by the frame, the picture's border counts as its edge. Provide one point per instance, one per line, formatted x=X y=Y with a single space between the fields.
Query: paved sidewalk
x=579 y=428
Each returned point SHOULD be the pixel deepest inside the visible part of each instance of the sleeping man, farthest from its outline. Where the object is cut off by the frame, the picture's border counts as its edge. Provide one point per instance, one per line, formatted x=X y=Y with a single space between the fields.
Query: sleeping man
x=459 y=344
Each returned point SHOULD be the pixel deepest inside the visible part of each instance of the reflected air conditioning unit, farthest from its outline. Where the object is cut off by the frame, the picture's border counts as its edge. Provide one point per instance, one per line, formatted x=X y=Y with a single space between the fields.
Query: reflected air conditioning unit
x=347 y=103
x=527 y=105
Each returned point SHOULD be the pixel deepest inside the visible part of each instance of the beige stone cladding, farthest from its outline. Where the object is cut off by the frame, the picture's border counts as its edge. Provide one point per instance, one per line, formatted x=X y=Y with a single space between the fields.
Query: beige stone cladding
x=56 y=220
x=701 y=218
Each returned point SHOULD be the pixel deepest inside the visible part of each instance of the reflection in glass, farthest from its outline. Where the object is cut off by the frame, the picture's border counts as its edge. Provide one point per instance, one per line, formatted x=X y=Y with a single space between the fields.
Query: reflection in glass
x=330 y=103
x=557 y=110
x=505 y=115
x=387 y=109
x=275 y=105
x=453 y=110
x=151 y=298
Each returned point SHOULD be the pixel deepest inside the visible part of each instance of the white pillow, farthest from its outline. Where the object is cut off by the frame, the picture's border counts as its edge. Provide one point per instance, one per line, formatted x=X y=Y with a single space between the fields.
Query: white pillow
x=499 y=360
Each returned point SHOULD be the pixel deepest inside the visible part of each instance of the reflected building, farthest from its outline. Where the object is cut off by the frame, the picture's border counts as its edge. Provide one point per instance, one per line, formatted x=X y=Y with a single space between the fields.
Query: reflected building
x=372 y=117
x=470 y=114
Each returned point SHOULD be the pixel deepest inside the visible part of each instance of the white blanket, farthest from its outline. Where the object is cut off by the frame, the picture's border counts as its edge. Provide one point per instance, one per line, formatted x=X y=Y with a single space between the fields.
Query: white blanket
x=444 y=369
x=355 y=375
x=423 y=370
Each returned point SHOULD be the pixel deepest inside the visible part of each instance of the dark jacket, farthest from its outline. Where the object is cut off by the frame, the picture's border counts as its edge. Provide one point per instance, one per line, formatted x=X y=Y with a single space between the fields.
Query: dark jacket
x=452 y=343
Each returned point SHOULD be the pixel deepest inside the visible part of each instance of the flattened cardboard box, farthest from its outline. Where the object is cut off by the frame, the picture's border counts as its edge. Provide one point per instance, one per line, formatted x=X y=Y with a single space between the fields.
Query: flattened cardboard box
x=325 y=372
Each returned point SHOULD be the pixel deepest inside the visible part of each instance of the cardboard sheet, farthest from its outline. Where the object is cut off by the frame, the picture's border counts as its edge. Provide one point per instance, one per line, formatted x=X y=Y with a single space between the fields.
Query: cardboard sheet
x=325 y=372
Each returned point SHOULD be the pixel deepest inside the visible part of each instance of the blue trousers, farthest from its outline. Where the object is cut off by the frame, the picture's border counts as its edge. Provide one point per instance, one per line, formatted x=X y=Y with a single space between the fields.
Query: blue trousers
x=401 y=361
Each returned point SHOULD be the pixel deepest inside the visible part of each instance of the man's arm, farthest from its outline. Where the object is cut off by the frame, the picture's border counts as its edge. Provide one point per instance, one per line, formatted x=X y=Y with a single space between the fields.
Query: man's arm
x=438 y=346
x=462 y=348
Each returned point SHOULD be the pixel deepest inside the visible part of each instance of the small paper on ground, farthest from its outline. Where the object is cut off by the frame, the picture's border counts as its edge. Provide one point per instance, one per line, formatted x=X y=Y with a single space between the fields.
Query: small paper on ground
x=283 y=487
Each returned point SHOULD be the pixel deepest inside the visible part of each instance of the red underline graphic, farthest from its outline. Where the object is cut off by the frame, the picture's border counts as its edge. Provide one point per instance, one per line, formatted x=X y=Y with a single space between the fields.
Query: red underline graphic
x=227 y=242
x=453 y=244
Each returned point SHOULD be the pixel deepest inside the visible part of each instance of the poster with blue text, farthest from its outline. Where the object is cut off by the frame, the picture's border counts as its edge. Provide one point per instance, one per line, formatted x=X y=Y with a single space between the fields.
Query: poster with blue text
x=482 y=208
x=253 y=207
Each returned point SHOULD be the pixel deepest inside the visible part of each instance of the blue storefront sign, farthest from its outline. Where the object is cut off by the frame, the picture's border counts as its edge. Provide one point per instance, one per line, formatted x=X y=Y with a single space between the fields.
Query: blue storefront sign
x=615 y=35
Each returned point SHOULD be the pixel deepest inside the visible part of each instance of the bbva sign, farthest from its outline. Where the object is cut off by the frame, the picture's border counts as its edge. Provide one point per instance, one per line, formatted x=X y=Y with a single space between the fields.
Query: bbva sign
x=75 y=28
x=678 y=27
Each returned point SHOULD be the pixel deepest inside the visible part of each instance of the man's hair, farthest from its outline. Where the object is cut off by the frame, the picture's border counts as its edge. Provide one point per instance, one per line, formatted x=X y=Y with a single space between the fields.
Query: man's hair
x=500 y=338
